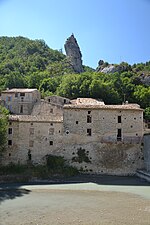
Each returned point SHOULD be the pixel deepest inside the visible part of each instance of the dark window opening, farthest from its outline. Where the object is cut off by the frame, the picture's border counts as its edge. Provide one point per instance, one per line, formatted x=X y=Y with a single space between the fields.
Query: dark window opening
x=77 y=122
x=29 y=155
x=119 y=135
x=49 y=100
x=89 y=119
x=16 y=95
x=119 y=119
x=64 y=101
x=9 y=130
x=134 y=118
x=89 y=112
x=51 y=124
x=22 y=94
x=148 y=126
x=22 y=98
x=89 y=132
x=10 y=123
x=21 y=109
x=51 y=143
x=9 y=154
x=51 y=110
x=31 y=124
x=9 y=142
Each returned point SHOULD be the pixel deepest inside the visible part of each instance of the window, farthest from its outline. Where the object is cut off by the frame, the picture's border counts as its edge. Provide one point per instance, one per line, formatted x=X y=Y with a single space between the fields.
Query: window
x=9 y=130
x=16 y=95
x=10 y=123
x=89 y=112
x=51 y=124
x=31 y=143
x=29 y=155
x=77 y=122
x=51 y=131
x=89 y=119
x=9 y=142
x=9 y=98
x=51 y=143
x=64 y=101
x=49 y=100
x=21 y=109
x=51 y=110
x=22 y=98
x=89 y=132
x=31 y=130
x=22 y=94
x=119 y=119
x=119 y=135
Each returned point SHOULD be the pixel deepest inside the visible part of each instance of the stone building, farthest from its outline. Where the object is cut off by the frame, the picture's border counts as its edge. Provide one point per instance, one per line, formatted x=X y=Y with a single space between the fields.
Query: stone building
x=92 y=136
x=20 y=101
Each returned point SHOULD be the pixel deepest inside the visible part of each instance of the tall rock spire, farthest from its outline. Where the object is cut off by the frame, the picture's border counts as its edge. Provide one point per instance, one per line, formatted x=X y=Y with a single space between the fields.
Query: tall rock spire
x=74 y=54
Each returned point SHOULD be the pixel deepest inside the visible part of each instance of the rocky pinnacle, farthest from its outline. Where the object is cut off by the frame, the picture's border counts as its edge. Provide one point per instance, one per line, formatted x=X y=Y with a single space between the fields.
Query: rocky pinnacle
x=74 y=54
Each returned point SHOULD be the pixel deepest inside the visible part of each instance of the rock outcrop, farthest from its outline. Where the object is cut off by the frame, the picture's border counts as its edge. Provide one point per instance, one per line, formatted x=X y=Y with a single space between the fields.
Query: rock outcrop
x=107 y=68
x=74 y=54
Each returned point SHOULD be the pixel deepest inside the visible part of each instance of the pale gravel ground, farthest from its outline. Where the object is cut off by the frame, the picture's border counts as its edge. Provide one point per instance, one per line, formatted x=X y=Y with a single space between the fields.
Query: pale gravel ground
x=76 y=204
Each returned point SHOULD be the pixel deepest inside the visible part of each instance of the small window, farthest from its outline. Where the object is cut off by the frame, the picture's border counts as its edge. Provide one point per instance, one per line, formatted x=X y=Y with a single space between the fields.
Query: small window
x=31 y=143
x=51 y=131
x=31 y=130
x=89 y=132
x=119 y=119
x=31 y=124
x=9 y=130
x=22 y=98
x=51 y=124
x=51 y=143
x=9 y=142
x=89 y=112
x=9 y=154
x=22 y=94
x=49 y=100
x=119 y=135
x=134 y=118
x=51 y=110
x=16 y=95
x=77 y=122
x=89 y=119
x=10 y=123
x=64 y=101
x=21 y=109
x=9 y=98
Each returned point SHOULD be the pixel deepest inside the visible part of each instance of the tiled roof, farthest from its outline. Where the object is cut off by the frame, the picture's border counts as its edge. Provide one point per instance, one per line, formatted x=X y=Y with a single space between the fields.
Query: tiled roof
x=23 y=90
x=87 y=101
x=109 y=107
x=28 y=118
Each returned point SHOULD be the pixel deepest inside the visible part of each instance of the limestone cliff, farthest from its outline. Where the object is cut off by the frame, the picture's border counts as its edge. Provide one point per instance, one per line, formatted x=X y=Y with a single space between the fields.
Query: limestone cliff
x=74 y=54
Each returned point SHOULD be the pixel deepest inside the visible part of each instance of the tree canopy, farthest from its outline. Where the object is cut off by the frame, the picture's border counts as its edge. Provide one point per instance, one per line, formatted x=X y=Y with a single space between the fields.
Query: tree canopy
x=32 y=64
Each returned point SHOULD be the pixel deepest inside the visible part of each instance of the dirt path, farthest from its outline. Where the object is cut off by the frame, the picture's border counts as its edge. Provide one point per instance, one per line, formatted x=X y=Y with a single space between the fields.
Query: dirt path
x=75 y=204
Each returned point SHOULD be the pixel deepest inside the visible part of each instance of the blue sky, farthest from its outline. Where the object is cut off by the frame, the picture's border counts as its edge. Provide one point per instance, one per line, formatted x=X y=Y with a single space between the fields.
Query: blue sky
x=112 y=30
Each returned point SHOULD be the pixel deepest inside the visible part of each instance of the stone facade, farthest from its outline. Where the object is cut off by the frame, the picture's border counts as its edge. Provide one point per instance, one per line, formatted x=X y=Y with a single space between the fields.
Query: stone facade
x=92 y=136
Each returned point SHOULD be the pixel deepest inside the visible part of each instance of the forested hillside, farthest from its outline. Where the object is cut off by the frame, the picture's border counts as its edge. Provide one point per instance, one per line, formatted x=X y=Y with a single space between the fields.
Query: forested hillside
x=28 y=63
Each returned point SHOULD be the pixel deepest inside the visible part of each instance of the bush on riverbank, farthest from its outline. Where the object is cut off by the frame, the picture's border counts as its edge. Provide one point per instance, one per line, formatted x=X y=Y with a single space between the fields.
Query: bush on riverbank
x=56 y=166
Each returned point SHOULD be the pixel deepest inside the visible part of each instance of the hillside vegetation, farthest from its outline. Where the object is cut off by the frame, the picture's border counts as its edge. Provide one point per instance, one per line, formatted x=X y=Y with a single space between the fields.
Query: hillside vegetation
x=28 y=63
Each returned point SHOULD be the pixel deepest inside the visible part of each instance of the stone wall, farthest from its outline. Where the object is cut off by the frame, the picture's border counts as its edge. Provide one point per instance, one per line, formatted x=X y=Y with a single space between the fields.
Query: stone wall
x=147 y=151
